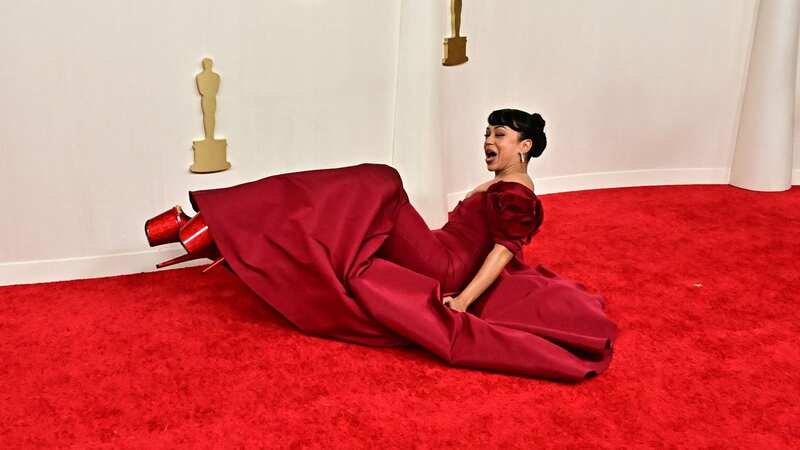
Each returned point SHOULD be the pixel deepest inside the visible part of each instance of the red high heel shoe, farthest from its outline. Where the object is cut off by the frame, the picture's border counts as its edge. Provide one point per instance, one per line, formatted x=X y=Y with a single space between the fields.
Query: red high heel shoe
x=163 y=228
x=198 y=243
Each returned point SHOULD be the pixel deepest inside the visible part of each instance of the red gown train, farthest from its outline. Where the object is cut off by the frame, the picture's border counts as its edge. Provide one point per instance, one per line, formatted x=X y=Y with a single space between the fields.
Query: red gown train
x=342 y=253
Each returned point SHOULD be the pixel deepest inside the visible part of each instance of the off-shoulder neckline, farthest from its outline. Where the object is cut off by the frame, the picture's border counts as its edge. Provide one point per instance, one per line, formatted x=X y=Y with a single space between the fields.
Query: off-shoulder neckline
x=526 y=188
x=529 y=190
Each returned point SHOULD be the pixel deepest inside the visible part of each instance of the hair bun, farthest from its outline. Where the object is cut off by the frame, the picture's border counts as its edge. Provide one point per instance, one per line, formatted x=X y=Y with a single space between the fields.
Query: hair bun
x=537 y=134
x=537 y=120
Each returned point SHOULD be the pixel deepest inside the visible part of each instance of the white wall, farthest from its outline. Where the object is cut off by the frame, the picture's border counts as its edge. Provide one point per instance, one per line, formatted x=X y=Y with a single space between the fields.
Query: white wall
x=99 y=110
x=623 y=85
x=764 y=153
x=417 y=151
x=99 y=105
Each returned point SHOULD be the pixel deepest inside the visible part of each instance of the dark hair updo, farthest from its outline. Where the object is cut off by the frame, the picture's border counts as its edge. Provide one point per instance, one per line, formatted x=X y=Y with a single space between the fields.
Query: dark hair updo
x=530 y=126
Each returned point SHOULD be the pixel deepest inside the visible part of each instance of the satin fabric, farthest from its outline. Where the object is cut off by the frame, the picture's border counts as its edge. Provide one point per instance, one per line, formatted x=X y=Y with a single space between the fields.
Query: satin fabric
x=342 y=253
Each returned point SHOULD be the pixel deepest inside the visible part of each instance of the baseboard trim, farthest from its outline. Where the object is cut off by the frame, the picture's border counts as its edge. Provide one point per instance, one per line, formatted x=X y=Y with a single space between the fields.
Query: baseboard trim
x=626 y=178
x=49 y=270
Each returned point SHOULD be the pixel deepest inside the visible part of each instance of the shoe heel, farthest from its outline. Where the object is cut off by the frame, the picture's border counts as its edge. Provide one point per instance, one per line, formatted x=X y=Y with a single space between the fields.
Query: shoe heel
x=219 y=261
x=198 y=243
x=178 y=260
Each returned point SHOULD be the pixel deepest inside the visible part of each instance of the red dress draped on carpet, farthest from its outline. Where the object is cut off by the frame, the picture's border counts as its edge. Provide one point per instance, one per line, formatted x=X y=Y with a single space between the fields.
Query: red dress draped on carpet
x=341 y=253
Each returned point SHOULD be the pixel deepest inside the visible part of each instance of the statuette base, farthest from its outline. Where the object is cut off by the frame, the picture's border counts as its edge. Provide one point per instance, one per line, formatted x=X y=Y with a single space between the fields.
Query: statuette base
x=455 y=51
x=210 y=155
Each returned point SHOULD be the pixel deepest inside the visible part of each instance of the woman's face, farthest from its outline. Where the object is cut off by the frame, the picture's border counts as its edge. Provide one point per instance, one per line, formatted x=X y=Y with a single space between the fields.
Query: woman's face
x=502 y=147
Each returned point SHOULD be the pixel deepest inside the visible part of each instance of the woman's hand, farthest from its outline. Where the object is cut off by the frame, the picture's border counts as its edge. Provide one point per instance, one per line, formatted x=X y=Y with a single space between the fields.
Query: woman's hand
x=455 y=303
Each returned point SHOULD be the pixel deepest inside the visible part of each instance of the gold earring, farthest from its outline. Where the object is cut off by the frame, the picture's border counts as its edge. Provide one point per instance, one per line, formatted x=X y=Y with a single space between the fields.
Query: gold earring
x=521 y=158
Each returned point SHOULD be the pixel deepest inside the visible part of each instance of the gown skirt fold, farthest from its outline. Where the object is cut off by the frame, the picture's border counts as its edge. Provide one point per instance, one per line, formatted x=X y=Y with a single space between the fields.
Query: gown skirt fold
x=342 y=253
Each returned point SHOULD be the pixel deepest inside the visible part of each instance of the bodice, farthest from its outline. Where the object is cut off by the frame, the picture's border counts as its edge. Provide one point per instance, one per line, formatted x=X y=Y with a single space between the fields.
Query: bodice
x=507 y=213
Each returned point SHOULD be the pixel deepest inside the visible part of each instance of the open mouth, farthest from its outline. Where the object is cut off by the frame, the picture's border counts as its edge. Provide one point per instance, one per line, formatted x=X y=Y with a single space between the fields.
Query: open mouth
x=491 y=156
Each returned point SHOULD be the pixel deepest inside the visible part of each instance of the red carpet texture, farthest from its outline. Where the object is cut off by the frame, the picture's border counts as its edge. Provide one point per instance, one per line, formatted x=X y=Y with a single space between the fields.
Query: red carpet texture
x=704 y=282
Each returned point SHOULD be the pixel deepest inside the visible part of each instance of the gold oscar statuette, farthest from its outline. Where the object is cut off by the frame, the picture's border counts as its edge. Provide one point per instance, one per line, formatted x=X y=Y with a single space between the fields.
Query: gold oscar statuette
x=455 y=47
x=210 y=155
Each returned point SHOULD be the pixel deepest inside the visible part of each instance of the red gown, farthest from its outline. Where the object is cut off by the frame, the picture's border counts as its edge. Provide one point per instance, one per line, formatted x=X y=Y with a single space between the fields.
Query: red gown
x=341 y=253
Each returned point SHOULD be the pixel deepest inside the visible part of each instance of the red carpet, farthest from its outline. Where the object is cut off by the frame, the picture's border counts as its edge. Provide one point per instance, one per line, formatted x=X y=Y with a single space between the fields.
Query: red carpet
x=704 y=282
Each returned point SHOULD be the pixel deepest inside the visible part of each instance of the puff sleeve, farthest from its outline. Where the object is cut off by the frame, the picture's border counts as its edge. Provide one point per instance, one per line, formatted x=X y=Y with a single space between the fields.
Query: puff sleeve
x=514 y=214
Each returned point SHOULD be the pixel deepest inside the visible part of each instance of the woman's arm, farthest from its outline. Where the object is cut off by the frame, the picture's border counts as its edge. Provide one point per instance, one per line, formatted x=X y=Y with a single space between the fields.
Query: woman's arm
x=494 y=263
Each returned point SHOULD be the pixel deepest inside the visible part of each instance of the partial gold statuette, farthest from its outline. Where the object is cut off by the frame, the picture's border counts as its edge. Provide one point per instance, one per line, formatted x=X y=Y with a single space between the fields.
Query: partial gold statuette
x=210 y=155
x=455 y=47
